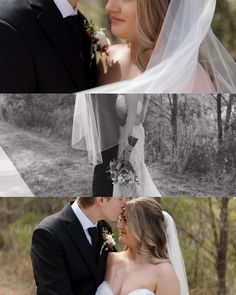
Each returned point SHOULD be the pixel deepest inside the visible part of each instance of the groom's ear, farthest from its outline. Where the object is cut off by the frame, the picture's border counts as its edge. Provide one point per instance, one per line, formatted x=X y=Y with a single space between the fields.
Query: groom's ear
x=98 y=201
x=101 y=200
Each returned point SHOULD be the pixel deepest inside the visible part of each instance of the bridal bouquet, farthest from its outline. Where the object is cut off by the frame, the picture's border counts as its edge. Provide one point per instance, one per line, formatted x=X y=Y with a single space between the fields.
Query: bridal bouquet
x=122 y=171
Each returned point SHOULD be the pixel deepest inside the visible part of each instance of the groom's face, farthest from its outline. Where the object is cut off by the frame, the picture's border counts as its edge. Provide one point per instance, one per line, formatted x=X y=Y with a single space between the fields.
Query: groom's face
x=112 y=208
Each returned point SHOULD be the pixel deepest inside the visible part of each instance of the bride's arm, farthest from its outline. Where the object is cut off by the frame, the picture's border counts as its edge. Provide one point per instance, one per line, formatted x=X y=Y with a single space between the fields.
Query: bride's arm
x=143 y=113
x=131 y=104
x=167 y=283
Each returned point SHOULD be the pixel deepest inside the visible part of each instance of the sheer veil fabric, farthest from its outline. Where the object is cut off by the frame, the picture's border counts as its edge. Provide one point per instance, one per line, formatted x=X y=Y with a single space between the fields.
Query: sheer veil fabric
x=95 y=125
x=175 y=253
x=187 y=58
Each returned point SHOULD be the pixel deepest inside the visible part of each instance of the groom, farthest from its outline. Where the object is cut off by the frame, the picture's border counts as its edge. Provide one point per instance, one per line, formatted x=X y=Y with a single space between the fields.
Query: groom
x=108 y=125
x=44 y=47
x=67 y=253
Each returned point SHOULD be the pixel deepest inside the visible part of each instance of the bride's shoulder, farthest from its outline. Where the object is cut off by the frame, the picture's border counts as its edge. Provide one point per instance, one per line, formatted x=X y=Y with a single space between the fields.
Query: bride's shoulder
x=165 y=271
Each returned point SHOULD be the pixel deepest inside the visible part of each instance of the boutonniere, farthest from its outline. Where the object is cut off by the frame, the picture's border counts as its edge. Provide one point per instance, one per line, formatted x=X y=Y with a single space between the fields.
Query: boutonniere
x=108 y=241
x=100 y=43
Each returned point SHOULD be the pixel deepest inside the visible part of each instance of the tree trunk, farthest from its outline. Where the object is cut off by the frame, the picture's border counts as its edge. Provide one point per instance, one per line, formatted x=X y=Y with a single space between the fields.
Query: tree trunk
x=228 y=113
x=219 y=119
x=221 y=260
x=174 y=126
x=161 y=133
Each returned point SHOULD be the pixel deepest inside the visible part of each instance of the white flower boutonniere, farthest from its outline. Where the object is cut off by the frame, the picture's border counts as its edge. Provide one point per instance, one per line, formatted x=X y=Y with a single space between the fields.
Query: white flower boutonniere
x=108 y=241
x=100 y=43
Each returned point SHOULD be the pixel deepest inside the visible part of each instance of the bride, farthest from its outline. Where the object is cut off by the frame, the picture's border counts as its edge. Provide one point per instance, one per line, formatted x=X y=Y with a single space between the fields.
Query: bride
x=152 y=262
x=170 y=48
x=133 y=107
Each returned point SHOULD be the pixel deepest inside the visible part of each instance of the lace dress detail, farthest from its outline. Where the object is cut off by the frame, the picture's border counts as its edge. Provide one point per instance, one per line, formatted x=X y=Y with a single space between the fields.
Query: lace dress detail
x=105 y=289
x=146 y=186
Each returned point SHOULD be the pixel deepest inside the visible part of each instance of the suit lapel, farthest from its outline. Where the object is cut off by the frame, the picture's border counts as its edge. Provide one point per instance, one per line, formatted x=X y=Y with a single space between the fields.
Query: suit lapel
x=53 y=26
x=77 y=234
x=102 y=259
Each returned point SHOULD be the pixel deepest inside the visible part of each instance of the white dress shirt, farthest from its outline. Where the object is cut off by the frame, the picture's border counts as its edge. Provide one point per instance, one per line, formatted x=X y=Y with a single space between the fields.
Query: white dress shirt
x=84 y=220
x=65 y=8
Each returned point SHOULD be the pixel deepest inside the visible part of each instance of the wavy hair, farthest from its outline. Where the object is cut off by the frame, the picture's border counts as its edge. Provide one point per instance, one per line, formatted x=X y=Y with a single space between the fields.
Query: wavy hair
x=146 y=221
x=150 y=18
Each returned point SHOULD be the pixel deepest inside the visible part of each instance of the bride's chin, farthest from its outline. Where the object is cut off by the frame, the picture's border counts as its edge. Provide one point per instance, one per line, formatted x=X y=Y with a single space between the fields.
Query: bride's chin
x=116 y=33
x=122 y=240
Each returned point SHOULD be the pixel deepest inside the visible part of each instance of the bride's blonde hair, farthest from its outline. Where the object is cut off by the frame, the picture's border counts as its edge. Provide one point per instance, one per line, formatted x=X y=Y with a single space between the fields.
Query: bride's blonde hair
x=150 y=18
x=145 y=219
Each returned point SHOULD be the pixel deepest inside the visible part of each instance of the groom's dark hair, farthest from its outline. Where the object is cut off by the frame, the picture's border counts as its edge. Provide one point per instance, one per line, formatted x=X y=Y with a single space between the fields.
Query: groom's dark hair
x=87 y=202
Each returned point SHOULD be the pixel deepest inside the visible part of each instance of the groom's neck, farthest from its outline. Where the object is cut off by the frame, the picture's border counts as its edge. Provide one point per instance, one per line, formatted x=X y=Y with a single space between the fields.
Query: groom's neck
x=73 y=3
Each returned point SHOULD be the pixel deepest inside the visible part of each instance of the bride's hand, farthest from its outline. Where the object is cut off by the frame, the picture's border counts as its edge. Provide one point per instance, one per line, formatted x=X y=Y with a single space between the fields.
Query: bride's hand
x=112 y=70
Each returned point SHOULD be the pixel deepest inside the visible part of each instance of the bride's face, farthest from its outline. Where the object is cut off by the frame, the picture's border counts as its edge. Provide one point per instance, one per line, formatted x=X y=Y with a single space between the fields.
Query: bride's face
x=126 y=237
x=123 y=18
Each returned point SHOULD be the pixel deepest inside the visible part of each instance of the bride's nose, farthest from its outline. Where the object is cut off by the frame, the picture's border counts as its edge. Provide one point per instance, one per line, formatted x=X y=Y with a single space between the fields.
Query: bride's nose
x=112 y=6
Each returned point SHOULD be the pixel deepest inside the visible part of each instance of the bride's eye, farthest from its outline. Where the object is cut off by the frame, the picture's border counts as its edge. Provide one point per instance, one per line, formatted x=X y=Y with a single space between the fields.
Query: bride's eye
x=124 y=220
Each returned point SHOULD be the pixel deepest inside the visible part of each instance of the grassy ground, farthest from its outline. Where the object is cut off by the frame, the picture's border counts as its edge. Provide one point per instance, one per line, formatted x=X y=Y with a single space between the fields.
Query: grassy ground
x=51 y=167
x=11 y=284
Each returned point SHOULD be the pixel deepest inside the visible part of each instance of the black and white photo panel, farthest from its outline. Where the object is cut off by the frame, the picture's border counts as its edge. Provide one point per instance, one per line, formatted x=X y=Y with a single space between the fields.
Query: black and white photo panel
x=117 y=145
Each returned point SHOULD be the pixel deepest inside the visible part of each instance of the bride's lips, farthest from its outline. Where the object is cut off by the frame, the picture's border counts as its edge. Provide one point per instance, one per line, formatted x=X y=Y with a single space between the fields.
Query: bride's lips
x=116 y=20
x=121 y=233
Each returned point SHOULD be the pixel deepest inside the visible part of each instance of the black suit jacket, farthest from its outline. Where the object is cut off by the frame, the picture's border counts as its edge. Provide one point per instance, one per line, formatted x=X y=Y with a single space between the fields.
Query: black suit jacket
x=37 y=52
x=107 y=119
x=62 y=257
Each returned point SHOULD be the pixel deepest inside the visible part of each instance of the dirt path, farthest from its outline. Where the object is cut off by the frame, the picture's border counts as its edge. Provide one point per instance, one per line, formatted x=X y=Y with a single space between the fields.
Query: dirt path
x=50 y=167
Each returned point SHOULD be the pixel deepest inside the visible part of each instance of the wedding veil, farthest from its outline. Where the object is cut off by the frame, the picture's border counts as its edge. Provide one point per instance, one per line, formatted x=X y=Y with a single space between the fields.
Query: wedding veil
x=188 y=58
x=175 y=253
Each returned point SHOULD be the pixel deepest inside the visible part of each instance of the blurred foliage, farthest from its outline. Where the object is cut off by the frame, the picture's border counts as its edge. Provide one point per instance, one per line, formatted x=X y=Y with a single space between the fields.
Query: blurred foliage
x=224 y=24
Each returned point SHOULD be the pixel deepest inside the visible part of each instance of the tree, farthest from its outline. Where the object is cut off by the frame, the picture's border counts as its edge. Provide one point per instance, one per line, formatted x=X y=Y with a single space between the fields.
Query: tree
x=219 y=118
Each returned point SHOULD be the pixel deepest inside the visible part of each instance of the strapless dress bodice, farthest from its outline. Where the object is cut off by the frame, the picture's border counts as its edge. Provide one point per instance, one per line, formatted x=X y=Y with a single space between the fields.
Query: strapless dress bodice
x=105 y=289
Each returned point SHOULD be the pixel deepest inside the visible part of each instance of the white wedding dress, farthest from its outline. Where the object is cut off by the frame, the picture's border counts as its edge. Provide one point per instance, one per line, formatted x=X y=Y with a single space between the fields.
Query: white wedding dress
x=105 y=289
x=145 y=186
